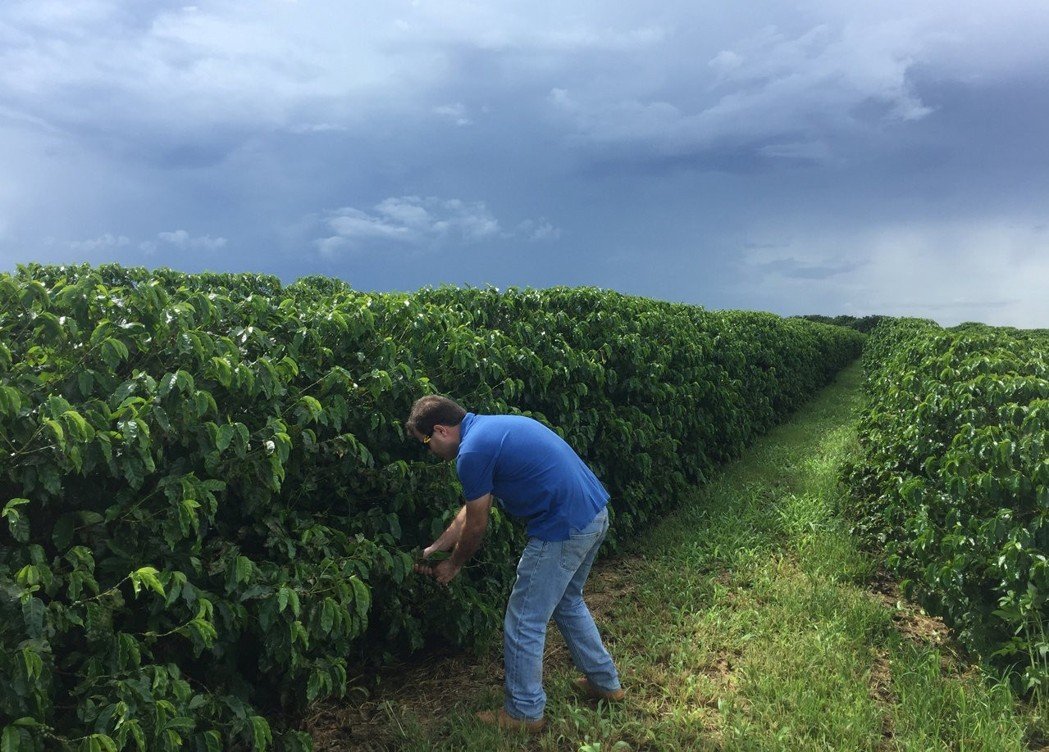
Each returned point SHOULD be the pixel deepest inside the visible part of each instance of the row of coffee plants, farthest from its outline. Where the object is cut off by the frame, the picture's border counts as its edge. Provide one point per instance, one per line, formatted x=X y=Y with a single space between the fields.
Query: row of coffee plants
x=953 y=481
x=210 y=506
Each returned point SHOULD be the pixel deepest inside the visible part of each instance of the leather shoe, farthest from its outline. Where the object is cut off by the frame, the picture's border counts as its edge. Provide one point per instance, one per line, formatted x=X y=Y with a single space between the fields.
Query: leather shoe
x=500 y=719
x=585 y=688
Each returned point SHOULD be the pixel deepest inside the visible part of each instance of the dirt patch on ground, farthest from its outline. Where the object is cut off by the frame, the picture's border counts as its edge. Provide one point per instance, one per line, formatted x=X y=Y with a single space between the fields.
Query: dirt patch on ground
x=881 y=680
x=403 y=697
x=611 y=583
x=908 y=617
x=881 y=691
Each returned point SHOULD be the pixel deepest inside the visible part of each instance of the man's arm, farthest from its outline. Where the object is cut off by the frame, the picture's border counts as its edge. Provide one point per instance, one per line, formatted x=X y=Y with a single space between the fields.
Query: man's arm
x=474 y=525
x=449 y=537
x=475 y=522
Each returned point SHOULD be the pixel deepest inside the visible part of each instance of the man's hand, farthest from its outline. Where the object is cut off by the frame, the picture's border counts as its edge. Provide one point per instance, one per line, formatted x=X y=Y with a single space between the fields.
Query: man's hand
x=443 y=571
x=465 y=533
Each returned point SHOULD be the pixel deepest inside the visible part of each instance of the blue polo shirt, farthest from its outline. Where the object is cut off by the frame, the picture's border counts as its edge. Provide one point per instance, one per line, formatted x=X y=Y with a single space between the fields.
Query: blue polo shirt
x=531 y=471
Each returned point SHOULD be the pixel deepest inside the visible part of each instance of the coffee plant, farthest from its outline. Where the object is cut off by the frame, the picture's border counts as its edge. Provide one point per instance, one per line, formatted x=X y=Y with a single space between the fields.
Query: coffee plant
x=953 y=481
x=211 y=509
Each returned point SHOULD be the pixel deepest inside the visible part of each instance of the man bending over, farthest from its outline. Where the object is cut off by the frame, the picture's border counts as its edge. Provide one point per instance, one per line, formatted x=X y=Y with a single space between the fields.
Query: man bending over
x=535 y=475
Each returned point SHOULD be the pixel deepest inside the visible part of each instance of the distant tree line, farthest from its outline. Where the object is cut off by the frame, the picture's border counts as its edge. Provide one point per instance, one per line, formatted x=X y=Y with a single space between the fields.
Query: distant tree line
x=862 y=324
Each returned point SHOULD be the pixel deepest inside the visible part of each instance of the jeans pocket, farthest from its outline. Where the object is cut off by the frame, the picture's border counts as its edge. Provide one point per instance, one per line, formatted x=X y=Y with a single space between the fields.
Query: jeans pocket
x=575 y=549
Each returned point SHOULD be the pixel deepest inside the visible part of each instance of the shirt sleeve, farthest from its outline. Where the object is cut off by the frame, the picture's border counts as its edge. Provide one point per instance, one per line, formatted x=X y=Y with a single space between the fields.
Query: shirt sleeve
x=475 y=474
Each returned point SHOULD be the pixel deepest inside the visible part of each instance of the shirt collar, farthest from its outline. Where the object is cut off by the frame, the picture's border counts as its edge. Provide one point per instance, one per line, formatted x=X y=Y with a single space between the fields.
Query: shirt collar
x=464 y=427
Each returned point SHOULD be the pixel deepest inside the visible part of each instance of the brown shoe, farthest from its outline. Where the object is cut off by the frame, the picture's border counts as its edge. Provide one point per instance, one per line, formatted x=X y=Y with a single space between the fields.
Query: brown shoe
x=585 y=688
x=500 y=719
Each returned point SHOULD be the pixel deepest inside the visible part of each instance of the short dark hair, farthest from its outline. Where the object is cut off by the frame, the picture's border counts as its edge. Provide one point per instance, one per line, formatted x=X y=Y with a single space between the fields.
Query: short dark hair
x=434 y=410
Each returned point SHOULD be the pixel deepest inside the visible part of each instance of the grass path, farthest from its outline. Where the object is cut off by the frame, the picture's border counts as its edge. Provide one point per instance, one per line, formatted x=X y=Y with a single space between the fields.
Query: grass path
x=747 y=620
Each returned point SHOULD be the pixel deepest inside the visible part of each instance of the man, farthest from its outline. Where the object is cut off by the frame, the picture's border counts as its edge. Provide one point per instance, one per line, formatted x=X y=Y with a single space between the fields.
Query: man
x=537 y=476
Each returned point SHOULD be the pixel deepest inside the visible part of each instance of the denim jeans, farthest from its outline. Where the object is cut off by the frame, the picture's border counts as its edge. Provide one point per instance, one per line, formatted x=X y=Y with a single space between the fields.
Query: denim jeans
x=550 y=579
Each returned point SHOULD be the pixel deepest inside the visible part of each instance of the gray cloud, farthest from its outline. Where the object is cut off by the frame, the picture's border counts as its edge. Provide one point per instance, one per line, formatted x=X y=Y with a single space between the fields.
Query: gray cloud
x=457 y=113
x=412 y=220
x=105 y=241
x=796 y=269
x=991 y=270
x=538 y=230
x=182 y=240
x=764 y=95
x=429 y=221
x=873 y=156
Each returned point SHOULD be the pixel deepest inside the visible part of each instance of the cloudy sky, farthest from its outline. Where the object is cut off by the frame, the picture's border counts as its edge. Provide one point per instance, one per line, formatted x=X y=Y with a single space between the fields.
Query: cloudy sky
x=809 y=156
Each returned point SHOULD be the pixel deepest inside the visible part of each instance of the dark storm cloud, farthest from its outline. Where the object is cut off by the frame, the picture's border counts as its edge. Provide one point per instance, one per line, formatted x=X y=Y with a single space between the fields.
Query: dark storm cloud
x=811 y=156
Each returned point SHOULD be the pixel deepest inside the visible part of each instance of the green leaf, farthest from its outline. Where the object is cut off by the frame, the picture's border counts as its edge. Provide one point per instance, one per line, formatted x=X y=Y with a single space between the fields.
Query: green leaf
x=123 y=391
x=290 y=365
x=244 y=569
x=184 y=381
x=162 y=419
x=201 y=632
x=167 y=384
x=19 y=526
x=261 y=734
x=28 y=576
x=187 y=515
x=137 y=735
x=105 y=444
x=241 y=436
x=114 y=352
x=100 y=331
x=32 y=663
x=221 y=370
x=203 y=401
x=48 y=325
x=56 y=431
x=90 y=518
x=224 y=437
x=62 y=533
x=105 y=743
x=313 y=686
x=11 y=740
x=327 y=615
x=11 y=506
x=213 y=741
x=10 y=400
x=85 y=380
x=362 y=597
x=311 y=408
x=146 y=577
x=80 y=429
x=298 y=634
x=128 y=649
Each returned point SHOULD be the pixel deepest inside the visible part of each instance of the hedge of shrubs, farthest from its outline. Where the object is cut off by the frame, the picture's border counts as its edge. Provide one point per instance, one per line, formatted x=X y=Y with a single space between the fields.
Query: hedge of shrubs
x=953 y=481
x=211 y=507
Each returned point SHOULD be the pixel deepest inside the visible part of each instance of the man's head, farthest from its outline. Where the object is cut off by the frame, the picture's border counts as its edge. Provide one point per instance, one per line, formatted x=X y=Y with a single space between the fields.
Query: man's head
x=434 y=420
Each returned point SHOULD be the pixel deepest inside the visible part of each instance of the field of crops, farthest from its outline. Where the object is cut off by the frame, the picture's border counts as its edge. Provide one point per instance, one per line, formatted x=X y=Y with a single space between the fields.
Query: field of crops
x=953 y=482
x=211 y=509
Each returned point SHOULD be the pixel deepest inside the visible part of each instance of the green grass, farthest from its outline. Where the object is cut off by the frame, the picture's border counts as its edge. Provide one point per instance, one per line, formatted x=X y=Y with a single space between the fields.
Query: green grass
x=743 y=622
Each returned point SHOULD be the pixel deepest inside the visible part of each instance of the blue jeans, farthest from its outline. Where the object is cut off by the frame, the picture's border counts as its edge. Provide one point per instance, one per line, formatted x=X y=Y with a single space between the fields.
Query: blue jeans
x=550 y=579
